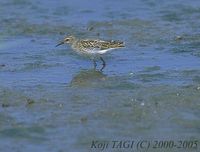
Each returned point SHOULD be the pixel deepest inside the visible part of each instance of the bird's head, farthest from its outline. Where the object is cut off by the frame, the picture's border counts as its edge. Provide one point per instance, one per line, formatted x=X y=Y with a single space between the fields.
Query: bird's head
x=67 y=40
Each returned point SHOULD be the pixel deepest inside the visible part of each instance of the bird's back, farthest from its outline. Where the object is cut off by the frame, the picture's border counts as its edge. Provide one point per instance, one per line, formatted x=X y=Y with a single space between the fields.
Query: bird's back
x=96 y=46
x=100 y=44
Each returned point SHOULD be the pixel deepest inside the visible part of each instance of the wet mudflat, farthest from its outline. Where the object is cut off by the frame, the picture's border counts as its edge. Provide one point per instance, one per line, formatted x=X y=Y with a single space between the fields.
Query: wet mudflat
x=53 y=100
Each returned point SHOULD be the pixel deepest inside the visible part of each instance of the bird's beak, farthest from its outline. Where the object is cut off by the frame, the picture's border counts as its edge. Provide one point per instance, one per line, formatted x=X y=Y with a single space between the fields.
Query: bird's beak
x=60 y=43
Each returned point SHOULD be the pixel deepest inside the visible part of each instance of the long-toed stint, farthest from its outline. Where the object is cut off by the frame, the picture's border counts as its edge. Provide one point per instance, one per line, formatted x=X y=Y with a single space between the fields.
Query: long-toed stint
x=94 y=49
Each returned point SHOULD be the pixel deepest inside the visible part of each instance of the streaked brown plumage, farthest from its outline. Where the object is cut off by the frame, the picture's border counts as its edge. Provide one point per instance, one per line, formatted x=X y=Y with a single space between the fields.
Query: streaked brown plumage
x=92 y=48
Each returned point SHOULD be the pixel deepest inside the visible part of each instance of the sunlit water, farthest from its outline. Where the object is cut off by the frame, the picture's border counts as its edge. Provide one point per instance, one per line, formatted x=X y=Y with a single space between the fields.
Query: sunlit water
x=52 y=100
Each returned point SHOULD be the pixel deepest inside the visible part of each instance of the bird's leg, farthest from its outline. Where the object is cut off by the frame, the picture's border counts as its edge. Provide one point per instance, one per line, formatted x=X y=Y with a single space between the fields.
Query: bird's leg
x=95 y=64
x=104 y=63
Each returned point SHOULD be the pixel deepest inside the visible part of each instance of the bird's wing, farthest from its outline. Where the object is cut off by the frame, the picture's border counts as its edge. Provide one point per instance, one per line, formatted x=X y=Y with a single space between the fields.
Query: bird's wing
x=100 y=44
x=96 y=44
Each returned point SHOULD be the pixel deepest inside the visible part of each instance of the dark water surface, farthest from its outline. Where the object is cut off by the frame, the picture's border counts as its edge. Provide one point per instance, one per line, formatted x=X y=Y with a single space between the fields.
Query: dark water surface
x=52 y=100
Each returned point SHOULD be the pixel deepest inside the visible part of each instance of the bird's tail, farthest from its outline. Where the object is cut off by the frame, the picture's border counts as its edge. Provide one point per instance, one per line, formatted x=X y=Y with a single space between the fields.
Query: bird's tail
x=117 y=44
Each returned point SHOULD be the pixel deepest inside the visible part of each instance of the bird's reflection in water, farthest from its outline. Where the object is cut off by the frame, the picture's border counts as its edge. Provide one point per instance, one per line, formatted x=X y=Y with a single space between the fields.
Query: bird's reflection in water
x=87 y=78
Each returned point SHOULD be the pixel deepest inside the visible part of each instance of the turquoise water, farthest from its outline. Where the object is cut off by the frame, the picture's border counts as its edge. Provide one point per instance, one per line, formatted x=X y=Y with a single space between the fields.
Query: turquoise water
x=52 y=100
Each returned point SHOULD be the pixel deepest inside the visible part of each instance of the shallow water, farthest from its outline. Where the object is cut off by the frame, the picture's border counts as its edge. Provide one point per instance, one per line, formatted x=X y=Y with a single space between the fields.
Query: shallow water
x=52 y=100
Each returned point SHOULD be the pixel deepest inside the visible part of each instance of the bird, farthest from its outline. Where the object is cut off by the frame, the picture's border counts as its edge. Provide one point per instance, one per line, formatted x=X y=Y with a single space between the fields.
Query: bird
x=92 y=48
